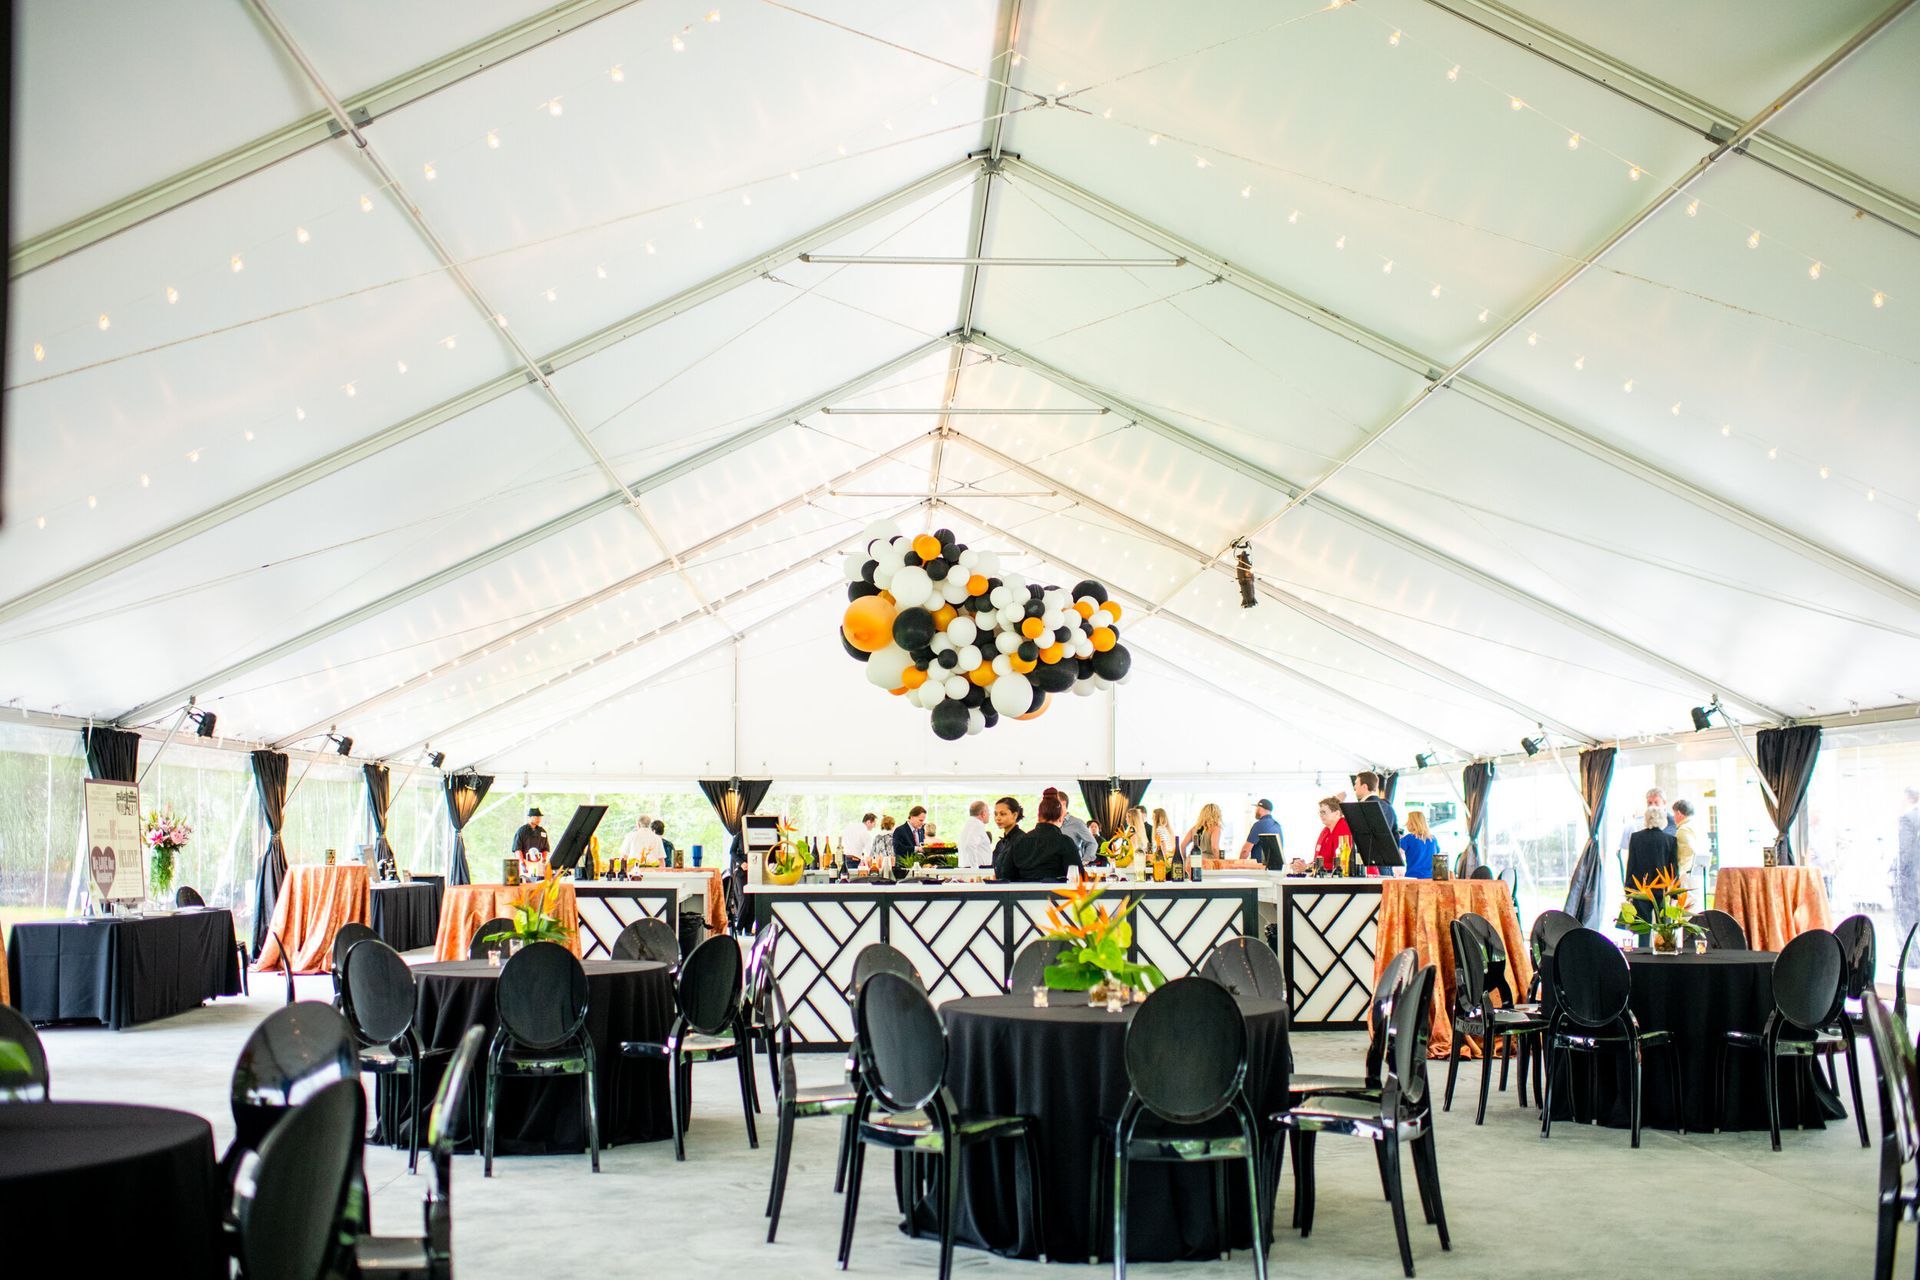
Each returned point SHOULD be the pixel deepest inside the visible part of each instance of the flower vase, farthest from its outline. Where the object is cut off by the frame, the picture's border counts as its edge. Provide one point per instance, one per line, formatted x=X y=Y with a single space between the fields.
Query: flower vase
x=160 y=876
x=1666 y=942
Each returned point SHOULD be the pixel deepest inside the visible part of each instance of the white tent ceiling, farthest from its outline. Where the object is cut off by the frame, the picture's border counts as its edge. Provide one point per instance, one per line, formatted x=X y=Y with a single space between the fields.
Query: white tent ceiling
x=451 y=374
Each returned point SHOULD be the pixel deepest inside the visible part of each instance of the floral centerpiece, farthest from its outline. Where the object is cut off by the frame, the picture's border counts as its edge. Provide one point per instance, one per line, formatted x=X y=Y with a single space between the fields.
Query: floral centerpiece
x=1666 y=919
x=1095 y=959
x=535 y=918
x=786 y=864
x=166 y=835
x=1119 y=849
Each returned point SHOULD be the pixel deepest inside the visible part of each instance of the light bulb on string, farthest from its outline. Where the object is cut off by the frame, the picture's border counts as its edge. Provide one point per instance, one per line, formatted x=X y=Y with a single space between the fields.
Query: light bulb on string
x=366 y=204
x=301 y=235
x=1627 y=386
x=713 y=15
x=1246 y=192
x=428 y=172
x=247 y=436
x=1871 y=495
x=1394 y=39
x=493 y=139
x=1773 y=453
x=1483 y=315
x=1386 y=268
x=1753 y=241
x=1434 y=292
x=1879 y=298
x=1674 y=409
x=173 y=294
x=1580 y=362
x=617 y=74
x=1453 y=72
x=1726 y=429
x=1573 y=142
x=450 y=342
x=600 y=271
x=237 y=265
x=650 y=248
x=1693 y=208
x=299 y=414
x=104 y=323
x=1516 y=104
x=746 y=199
x=400 y=365
x=1633 y=173
x=553 y=295
x=555 y=107
x=146 y=481
x=1813 y=272
x=39 y=352
x=1341 y=243
x=1533 y=339
x=351 y=390
x=1294 y=217
x=1153 y=139
x=679 y=45
x=1824 y=473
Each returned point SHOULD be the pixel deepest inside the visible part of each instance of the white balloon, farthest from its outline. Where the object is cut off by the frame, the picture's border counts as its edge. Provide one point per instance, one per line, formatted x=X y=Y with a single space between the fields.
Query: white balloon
x=887 y=665
x=1089 y=601
x=1012 y=616
x=969 y=657
x=1101 y=683
x=940 y=643
x=968 y=558
x=1011 y=694
x=911 y=586
x=879 y=529
x=1000 y=597
x=962 y=631
x=1082 y=688
x=1006 y=641
x=893 y=551
x=986 y=563
x=1003 y=665
x=1082 y=647
x=883 y=574
x=931 y=694
x=954 y=589
x=956 y=687
x=976 y=721
x=850 y=567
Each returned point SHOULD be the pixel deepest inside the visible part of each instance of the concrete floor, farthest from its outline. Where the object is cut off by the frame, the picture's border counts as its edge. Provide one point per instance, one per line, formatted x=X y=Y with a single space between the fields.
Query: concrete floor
x=1581 y=1204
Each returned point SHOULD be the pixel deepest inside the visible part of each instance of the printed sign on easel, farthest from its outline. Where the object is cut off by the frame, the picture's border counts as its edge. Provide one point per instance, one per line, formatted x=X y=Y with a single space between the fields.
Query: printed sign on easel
x=116 y=853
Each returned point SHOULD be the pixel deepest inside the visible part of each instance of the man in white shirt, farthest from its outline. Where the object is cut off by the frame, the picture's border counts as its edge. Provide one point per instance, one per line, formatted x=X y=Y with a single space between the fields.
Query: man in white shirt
x=642 y=847
x=857 y=839
x=976 y=843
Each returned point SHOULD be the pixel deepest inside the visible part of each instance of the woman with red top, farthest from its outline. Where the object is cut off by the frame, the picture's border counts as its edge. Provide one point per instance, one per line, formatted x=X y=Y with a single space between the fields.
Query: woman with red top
x=1333 y=829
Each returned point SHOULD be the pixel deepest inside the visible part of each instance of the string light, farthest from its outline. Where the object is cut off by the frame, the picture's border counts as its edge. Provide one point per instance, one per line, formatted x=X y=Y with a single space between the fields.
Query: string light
x=600 y=271
x=237 y=265
x=247 y=436
x=679 y=45
x=401 y=365
x=92 y=502
x=173 y=294
x=1675 y=409
x=1580 y=362
x=493 y=139
x=301 y=235
x=39 y=352
x=1693 y=208
x=1824 y=473
x=1753 y=241
x=1453 y=72
x=146 y=481
x=1879 y=299
x=450 y=342
x=713 y=15
x=745 y=199
x=1386 y=268
x=366 y=204
x=40 y=522
x=1516 y=104
x=1633 y=173
x=1153 y=139
x=1813 y=272
x=1627 y=386
x=351 y=390
x=1871 y=495
x=1726 y=429
x=1573 y=142
x=1246 y=192
x=299 y=414
x=500 y=318
x=699 y=224
x=553 y=295
x=1434 y=292
x=1773 y=453
x=617 y=74
x=554 y=107
x=1341 y=243
x=1483 y=315
x=1533 y=339
x=429 y=172
x=650 y=248
x=193 y=455
x=103 y=323
x=1394 y=39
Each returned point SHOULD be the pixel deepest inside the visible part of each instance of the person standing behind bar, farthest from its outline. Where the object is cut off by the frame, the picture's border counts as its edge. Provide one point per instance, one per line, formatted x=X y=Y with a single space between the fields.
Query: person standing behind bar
x=976 y=846
x=1418 y=848
x=1166 y=838
x=1651 y=850
x=1263 y=825
x=530 y=844
x=1367 y=787
x=1045 y=853
x=1077 y=831
x=911 y=834
x=882 y=842
x=1680 y=825
x=1006 y=819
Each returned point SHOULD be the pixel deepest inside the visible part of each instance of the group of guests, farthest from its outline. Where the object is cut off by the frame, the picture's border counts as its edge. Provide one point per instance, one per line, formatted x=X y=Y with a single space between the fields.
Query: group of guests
x=1419 y=848
x=1664 y=840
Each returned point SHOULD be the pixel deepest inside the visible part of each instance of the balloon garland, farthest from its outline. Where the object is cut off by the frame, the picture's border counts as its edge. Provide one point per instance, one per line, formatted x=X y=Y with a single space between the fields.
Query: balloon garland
x=935 y=624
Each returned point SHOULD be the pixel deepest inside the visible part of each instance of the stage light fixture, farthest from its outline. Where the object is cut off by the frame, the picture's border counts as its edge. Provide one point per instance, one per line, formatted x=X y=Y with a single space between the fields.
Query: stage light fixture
x=1243 y=573
x=1424 y=760
x=1533 y=746
x=437 y=759
x=342 y=745
x=203 y=722
x=1703 y=716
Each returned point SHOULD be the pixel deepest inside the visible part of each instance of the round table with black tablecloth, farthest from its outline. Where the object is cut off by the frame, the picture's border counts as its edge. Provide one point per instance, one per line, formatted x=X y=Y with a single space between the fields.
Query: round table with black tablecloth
x=1064 y=1067
x=1699 y=998
x=110 y=1189
x=626 y=1000
x=406 y=916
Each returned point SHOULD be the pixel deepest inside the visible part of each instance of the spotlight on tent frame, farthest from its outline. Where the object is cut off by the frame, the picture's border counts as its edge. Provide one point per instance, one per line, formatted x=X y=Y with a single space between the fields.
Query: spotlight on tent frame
x=1243 y=573
x=1424 y=760
x=1703 y=716
x=342 y=745
x=437 y=759
x=1533 y=746
x=203 y=722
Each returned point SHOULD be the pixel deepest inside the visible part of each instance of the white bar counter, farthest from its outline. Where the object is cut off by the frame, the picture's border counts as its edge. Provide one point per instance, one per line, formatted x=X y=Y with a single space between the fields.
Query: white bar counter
x=962 y=936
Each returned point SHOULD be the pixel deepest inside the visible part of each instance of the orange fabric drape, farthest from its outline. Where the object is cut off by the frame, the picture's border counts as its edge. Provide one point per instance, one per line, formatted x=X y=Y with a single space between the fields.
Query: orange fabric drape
x=313 y=903
x=4 y=997
x=1419 y=913
x=468 y=906
x=1773 y=904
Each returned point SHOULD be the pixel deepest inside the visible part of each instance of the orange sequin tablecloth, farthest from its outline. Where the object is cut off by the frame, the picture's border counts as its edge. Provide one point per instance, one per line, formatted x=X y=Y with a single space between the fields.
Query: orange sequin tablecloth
x=1773 y=904
x=4 y=997
x=1419 y=913
x=468 y=906
x=314 y=902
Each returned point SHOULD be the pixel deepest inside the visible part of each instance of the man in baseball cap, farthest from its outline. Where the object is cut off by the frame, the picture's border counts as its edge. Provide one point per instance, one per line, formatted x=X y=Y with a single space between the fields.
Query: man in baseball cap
x=1263 y=825
x=530 y=844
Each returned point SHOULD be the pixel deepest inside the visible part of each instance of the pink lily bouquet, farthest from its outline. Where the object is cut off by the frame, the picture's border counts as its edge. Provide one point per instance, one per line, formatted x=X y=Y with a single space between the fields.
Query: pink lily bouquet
x=166 y=835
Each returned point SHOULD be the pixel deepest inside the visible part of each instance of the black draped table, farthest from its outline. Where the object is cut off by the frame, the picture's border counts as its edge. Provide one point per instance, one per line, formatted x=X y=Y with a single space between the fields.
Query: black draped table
x=626 y=1000
x=122 y=970
x=1699 y=998
x=406 y=916
x=1064 y=1067
x=111 y=1189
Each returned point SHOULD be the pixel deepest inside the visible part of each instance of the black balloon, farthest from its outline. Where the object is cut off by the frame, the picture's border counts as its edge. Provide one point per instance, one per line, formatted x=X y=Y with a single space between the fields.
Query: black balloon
x=856 y=654
x=1028 y=651
x=1056 y=677
x=1113 y=664
x=922 y=657
x=1062 y=634
x=950 y=720
x=989 y=716
x=1035 y=590
x=1039 y=697
x=945 y=536
x=855 y=590
x=867 y=570
x=1089 y=587
x=950 y=659
x=937 y=568
x=976 y=695
x=1033 y=608
x=913 y=628
x=1083 y=668
x=913 y=557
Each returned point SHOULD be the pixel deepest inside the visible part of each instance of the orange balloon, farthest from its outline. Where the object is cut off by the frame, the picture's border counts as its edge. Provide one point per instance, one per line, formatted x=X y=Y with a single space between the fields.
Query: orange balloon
x=1103 y=638
x=977 y=585
x=897 y=692
x=1053 y=653
x=1033 y=628
x=1113 y=607
x=868 y=623
x=926 y=546
x=1046 y=700
x=888 y=597
x=982 y=675
x=1084 y=609
x=942 y=616
x=913 y=678
x=1020 y=664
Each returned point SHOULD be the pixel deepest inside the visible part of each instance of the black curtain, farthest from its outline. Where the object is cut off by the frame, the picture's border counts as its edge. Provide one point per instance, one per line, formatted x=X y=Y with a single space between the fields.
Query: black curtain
x=1786 y=758
x=379 y=800
x=733 y=799
x=270 y=781
x=1583 y=892
x=113 y=755
x=1475 y=781
x=1108 y=800
x=464 y=793
x=1389 y=784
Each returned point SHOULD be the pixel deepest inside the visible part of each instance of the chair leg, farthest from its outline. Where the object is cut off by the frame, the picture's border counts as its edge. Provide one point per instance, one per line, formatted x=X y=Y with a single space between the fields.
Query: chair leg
x=1391 y=1144
x=1634 y=1067
x=1679 y=1094
x=1770 y=1070
x=1453 y=1066
x=1546 y=1093
x=414 y=1118
x=1036 y=1190
x=1380 y=1162
x=1853 y=1077
x=749 y=1090
x=855 y=1159
x=1299 y=1179
x=1255 y=1200
x=846 y=1153
x=1489 y=1044
x=1513 y=1047
x=947 y=1184
x=1420 y=1180
x=1096 y=1204
x=1224 y=1251
x=1886 y=1239
x=590 y=1096
x=493 y=1088
x=1305 y=1170
x=677 y=1083
x=1426 y=1152
x=1119 y=1211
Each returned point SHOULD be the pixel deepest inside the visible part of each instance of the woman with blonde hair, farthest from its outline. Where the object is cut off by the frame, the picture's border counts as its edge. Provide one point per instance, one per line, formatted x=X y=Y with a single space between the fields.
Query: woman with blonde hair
x=1418 y=847
x=1203 y=837
x=1138 y=833
x=1165 y=843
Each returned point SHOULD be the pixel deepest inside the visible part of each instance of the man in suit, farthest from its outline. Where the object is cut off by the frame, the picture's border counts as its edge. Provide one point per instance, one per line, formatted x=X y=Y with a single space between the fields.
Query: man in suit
x=910 y=835
x=1367 y=787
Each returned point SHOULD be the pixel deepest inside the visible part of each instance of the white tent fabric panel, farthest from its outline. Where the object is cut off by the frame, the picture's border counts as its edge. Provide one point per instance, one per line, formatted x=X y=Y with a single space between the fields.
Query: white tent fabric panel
x=1852 y=121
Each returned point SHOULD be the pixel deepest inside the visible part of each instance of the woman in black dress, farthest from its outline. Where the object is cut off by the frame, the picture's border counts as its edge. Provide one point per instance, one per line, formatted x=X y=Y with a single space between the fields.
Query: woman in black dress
x=1652 y=849
x=1044 y=853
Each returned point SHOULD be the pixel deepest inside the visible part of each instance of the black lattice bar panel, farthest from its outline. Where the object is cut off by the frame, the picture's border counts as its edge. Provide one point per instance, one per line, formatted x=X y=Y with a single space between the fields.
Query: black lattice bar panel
x=1329 y=941
x=608 y=907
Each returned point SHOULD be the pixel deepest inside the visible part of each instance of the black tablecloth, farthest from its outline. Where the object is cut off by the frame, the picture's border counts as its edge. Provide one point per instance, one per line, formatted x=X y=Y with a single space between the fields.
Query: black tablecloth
x=437 y=883
x=1699 y=998
x=406 y=916
x=626 y=1000
x=111 y=1190
x=1063 y=1066
x=122 y=971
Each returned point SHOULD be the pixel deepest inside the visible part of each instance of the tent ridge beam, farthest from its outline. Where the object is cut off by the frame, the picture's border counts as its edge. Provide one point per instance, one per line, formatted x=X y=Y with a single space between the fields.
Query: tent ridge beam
x=1367 y=524
x=312 y=130
x=487 y=392
x=539 y=533
x=1358 y=632
x=1676 y=105
x=1434 y=377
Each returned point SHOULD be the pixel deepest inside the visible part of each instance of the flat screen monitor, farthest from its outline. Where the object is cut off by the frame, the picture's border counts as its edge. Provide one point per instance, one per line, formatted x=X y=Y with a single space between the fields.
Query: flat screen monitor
x=1269 y=847
x=1372 y=838
x=573 y=841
